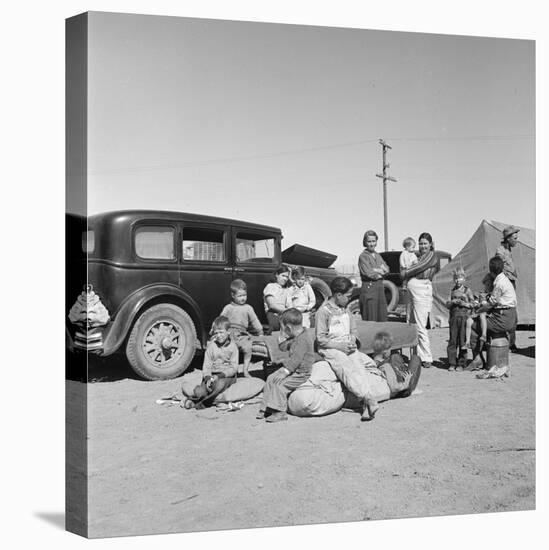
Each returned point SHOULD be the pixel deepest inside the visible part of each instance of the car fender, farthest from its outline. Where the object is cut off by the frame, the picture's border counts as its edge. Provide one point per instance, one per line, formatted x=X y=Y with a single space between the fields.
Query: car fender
x=125 y=316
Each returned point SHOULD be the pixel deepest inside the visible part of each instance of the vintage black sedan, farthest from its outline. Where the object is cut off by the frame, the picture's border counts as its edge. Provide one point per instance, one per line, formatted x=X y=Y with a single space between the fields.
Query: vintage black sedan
x=151 y=282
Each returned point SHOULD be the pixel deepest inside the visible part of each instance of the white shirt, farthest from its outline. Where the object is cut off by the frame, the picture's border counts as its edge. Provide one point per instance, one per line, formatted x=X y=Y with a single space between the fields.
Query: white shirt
x=407 y=259
x=503 y=293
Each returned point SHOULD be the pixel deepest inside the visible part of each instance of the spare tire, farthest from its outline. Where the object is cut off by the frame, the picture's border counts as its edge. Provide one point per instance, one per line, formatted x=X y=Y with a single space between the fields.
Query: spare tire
x=391 y=295
x=322 y=291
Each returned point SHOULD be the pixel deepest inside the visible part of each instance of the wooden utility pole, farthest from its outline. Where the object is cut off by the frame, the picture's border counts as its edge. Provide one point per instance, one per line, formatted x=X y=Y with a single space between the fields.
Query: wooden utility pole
x=385 y=178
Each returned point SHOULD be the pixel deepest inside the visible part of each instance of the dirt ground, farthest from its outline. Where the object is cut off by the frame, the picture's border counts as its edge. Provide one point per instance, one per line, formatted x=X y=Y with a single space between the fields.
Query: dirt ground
x=458 y=445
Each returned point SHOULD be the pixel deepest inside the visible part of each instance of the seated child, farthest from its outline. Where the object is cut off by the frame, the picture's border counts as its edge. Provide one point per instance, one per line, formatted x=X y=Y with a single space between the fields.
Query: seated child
x=335 y=331
x=241 y=316
x=301 y=295
x=461 y=305
x=219 y=368
x=294 y=371
x=482 y=300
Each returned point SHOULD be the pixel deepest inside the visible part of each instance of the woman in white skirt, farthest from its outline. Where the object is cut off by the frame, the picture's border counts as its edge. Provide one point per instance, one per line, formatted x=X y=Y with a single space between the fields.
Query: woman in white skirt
x=419 y=278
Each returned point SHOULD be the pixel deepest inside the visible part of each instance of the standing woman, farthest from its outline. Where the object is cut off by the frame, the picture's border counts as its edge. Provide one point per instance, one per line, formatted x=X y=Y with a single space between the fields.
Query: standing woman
x=373 y=268
x=419 y=278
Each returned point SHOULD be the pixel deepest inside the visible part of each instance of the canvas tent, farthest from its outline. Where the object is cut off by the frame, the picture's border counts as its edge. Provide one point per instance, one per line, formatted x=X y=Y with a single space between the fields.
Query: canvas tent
x=474 y=258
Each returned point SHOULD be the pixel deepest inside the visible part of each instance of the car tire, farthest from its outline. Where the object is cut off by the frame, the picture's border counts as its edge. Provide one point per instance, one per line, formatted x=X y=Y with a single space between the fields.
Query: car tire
x=391 y=295
x=162 y=342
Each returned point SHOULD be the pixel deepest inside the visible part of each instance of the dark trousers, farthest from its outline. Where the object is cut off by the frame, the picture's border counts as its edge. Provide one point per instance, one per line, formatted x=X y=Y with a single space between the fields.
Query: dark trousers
x=373 y=306
x=275 y=393
x=498 y=322
x=204 y=399
x=458 y=324
x=274 y=322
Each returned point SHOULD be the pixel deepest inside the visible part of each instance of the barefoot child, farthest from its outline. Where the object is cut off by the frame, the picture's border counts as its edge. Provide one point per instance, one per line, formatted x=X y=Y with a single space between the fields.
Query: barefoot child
x=241 y=316
x=461 y=305
x=294 y=371
x=301 y=295
x=219 y=368
x=335 y=331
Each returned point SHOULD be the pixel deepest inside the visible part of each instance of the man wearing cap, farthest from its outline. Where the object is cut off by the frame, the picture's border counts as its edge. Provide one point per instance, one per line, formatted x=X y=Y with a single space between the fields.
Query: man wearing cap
x=504 y=251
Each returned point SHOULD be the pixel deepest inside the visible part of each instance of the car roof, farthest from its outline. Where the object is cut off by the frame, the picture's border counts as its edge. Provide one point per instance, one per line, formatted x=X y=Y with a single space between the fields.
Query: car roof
x=129 y=216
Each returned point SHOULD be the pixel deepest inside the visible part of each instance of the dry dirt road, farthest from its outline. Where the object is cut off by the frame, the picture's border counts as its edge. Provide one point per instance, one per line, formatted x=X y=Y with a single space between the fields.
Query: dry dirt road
x=459 y=445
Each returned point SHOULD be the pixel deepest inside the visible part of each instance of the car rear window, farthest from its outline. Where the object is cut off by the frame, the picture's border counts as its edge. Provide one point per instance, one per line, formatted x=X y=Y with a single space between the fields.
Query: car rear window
x=203 y=245
x=254 y=248
x=155 y=242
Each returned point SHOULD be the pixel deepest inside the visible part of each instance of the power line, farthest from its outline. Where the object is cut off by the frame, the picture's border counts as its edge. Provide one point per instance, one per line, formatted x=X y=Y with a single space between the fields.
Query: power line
x=291 y=152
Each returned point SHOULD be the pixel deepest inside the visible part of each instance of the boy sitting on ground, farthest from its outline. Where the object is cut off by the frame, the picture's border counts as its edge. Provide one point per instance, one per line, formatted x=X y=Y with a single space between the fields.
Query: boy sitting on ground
x=219 y=368
x=295 y=370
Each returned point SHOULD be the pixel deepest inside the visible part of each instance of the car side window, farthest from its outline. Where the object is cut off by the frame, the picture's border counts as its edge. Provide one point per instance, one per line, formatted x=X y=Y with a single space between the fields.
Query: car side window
x=254 y=248
x=203 y=244
x=155 y=242
x=88 y=242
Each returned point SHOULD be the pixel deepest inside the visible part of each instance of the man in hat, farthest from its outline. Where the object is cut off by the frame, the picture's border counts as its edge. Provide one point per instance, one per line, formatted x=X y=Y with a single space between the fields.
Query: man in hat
x=504 y=251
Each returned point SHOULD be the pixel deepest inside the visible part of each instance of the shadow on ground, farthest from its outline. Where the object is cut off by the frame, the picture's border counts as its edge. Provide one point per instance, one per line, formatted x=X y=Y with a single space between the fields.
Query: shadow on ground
x=57 y=519
x=529 y=351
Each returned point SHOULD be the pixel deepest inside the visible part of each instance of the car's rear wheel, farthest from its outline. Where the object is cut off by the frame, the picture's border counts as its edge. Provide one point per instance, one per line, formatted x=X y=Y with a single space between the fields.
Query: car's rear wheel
x=162 y=342
x=391 y=295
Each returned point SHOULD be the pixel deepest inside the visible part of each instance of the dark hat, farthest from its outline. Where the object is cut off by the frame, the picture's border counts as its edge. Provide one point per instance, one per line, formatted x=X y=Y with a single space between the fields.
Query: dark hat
x=510 y=230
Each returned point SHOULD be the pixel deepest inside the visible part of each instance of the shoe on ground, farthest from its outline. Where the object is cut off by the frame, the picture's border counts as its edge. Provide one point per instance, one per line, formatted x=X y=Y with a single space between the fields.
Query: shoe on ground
x=451 y=368
x=427 y=364
x=513 y=349
x=260 y=414
x=369 y=410
x=459 y=368
x=277 y=416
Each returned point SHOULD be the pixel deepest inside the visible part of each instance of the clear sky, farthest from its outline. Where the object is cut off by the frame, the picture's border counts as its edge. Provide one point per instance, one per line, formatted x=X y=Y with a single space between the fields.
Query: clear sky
x=279 y=124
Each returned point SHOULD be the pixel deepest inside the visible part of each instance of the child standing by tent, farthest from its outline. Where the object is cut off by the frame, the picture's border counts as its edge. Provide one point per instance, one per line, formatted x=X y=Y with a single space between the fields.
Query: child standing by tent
x=460 y=304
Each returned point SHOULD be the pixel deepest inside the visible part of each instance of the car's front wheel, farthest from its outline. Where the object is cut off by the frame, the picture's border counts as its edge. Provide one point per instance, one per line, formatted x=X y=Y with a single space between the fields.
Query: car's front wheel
x=162 y=342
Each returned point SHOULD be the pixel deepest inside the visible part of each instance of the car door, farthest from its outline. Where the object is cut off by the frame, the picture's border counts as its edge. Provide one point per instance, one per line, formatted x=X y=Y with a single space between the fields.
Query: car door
x=206 y=267
x=256 y=255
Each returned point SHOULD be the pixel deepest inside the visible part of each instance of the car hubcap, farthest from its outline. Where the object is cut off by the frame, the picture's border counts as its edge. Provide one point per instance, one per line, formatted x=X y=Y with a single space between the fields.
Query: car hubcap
x=164 y=343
